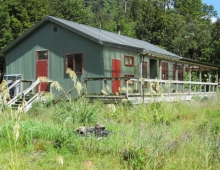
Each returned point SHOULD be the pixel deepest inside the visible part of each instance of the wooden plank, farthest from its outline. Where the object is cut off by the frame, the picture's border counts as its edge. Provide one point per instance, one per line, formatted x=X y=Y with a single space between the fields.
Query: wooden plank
x=107 y=78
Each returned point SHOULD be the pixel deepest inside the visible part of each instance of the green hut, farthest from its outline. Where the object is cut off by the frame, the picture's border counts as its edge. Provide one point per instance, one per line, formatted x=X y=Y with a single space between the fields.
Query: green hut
x=97 y=56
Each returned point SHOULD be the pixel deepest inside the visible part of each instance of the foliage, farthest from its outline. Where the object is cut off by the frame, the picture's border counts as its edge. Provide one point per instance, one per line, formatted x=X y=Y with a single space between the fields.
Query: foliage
x=79 y=112
x=194 y=77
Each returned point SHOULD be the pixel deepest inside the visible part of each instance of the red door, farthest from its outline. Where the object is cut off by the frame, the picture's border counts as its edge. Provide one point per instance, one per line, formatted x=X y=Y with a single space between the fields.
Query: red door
x=42 y=68
x=116 y=72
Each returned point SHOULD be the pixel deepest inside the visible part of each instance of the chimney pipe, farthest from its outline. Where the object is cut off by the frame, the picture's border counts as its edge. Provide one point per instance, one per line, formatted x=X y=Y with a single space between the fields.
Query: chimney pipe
x=119 y=29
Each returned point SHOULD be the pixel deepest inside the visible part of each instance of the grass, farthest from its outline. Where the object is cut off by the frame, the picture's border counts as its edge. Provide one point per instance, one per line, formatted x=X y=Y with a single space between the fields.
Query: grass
x=180 y=135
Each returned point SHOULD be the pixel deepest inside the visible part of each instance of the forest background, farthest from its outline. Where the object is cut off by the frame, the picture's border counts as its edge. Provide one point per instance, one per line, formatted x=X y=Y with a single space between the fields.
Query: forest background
x=182 y=27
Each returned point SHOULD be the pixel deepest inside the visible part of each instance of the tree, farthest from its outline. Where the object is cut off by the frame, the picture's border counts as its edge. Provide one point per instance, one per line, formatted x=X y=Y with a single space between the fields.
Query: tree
x=215 y=43
x=73 y=10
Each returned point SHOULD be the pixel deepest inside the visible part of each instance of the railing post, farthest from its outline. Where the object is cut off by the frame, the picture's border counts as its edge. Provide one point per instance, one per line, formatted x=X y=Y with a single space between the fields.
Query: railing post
x=195 y=88
x=217 y=80
x=209 y=81
x=160 y=70
x=126 y=95
x=176 y=75
x=168 y=88
x=141 y=71
x=143 y=90
x=85 y=87
x=105 y=84
x=183 y=88
x=70 y=97
x=200 y=79
x=39 y=87
x=190 y=85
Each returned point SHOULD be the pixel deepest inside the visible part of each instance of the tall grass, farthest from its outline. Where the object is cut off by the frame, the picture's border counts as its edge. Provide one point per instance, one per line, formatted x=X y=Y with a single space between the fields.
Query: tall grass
x=181 y=135
x=178 y=135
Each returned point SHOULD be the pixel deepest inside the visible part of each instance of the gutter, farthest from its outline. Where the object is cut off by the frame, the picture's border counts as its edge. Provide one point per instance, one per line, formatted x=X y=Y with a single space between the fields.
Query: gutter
x=199 y=63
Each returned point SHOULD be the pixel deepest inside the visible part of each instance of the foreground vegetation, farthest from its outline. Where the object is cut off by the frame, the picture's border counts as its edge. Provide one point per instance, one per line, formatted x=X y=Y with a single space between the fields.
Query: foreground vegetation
x=180 y=135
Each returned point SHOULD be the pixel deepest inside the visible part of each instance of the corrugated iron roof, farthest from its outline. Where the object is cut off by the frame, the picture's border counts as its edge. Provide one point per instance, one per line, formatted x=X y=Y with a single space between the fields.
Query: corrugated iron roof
x=106 y=37
x=100 y=36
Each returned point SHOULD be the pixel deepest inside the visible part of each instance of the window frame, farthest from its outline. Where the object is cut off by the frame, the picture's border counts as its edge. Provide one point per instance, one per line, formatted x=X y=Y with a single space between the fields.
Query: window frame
x=74 y=62
x=130 y=58
x=165 y=68
x=39 y=51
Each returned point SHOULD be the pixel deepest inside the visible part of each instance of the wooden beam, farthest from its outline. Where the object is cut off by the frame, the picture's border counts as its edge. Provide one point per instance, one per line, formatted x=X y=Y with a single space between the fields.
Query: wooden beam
x=176 y=75
x=141 y=66
x=210 y=80
x=160 y=69
x=190 y=77
x=200 y=79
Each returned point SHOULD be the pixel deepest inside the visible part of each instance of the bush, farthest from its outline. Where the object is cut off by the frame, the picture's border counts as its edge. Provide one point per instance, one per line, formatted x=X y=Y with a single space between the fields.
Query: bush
x=79 y=112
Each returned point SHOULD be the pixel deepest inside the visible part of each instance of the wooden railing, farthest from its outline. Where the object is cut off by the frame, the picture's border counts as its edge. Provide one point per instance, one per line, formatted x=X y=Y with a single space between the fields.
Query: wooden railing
x=169 y=86
x=174 y=86
x=22 y=93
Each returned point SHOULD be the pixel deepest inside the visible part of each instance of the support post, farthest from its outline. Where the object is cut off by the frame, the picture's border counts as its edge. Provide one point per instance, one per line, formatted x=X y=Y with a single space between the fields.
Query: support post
x=105 y=84
x=160 y=70
x=126 y=95
x=183 y=85
x=85 y=87
x=209 y=80
x=168 y=89
x=141 y=66
x=217 y=80
x=200 y=79
x=160 y=73
x=190 y=75
x=176 y=75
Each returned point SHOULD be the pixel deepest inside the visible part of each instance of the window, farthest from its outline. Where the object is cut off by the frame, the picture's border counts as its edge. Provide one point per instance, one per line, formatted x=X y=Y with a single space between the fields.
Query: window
x=180 y=72
x=129 y=60
x=75 y=62
x=164 y=71
x=54 y=28
x=42 y=55
x=129 y=76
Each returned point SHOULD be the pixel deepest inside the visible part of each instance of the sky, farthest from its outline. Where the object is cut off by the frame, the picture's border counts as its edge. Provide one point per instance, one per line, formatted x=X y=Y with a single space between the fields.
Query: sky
x=216 y=4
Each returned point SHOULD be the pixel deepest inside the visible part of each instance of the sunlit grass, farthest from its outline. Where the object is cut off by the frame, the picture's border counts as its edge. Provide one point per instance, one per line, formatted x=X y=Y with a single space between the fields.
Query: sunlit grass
x=177 y=135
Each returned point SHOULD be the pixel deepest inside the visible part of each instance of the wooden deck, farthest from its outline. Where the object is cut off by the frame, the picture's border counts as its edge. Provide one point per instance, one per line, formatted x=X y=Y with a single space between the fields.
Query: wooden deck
x=156 y=91
x=167 y=98
x=137 y=99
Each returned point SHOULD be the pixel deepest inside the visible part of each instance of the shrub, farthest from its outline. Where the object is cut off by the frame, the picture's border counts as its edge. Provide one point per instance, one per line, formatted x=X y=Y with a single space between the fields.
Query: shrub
x=79 y=112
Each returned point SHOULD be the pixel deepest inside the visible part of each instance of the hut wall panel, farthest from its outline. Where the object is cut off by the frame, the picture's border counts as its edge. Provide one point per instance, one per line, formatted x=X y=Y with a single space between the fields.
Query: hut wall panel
x=22 y=58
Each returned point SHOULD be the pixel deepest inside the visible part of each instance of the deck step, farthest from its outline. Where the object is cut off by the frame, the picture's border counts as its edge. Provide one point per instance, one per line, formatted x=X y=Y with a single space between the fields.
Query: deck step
x=19 y=102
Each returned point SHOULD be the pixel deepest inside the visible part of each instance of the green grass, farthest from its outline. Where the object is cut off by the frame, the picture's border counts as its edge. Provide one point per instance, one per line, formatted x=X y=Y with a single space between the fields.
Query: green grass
x=179 y=135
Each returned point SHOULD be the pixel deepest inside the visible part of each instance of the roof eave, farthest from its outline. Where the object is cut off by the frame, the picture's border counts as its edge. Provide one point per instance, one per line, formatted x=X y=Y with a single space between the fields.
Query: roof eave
x=159 y=55
x=199 y=63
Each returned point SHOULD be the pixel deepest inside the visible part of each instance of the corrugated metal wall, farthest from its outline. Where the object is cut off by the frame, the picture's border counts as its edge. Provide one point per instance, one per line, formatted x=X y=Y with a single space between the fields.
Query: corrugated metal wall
x=97 y=58
x=118 y=53
x=22 y=58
